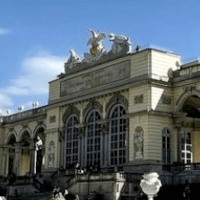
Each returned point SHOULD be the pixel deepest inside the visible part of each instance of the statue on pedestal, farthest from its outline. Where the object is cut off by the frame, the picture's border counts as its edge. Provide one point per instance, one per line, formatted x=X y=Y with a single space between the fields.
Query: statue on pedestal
x=139 y=143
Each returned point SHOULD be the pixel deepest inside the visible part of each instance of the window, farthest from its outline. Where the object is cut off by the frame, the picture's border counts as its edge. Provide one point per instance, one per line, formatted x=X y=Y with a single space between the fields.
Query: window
x=165 y=146
x=186 y=147
x=118 y=136
x=93 y=139
x=71 y=142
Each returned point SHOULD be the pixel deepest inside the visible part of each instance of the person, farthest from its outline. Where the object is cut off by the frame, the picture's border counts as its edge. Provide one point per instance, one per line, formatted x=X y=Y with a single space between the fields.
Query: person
x=187 y=192
x=56 y=191
x=77 y=197
x=66 y=193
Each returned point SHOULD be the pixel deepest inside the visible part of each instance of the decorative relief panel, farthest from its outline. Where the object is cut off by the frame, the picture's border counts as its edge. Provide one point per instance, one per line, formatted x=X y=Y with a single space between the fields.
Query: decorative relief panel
x=52 y=119
x=96 y=78
x=139 y=99
x=166 y=99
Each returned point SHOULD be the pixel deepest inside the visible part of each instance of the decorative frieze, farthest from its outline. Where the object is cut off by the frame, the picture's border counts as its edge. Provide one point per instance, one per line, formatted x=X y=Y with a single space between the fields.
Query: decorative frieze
x=189 y=89
x=96 y=78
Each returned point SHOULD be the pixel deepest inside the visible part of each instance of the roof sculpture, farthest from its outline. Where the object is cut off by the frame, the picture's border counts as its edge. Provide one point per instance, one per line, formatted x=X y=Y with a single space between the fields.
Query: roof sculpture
x=121 y=46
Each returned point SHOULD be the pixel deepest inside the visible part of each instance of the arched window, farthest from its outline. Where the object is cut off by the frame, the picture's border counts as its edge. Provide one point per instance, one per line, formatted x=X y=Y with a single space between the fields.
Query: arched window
x=71 y=138
x=186 y=147
x=165 y=145
x=93 y=139
x=118 y=136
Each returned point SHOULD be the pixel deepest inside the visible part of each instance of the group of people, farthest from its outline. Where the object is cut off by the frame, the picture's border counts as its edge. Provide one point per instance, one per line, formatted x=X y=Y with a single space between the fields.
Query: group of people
x=68 y=196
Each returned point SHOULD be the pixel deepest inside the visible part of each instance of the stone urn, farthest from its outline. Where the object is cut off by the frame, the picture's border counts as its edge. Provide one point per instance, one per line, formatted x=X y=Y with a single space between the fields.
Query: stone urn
x=150 y=184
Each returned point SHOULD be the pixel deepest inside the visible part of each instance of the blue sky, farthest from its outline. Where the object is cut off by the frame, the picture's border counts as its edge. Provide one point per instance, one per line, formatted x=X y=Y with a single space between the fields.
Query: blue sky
x=36 y=37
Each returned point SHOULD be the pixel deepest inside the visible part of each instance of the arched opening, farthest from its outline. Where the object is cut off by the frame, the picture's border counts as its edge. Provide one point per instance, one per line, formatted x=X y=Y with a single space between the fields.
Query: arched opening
x=189 y=135
x=192 y=106
x=93 y=140
x=26 y=158
x=117 y=135
x=11 y=157
x=71 y=142
x=166 y=146
x=39 y=151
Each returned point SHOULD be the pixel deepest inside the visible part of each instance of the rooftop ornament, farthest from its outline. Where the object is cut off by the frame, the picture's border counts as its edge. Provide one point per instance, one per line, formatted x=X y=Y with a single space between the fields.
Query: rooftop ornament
x=97 y=48
x=120 y=43
x=73 y=60
x=121 y=46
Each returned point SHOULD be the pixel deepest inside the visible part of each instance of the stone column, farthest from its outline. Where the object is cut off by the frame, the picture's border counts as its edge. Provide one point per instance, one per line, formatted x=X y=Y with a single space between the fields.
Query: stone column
x=33 y=157
x=104 y=143
x=81 y=147
x=176 y=148
x=127 y=140
x=17 y=162
x=62 y=148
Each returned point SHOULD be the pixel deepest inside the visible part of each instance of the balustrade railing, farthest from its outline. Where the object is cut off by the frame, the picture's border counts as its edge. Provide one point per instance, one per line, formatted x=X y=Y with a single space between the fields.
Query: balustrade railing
x=179 y=167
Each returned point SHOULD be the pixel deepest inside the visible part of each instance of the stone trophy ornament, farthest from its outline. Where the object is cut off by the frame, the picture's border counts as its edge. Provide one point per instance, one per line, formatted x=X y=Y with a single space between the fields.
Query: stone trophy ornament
x=139 y=143
x=97 y=48
x=121 y=44
x=73 y=60
x=150 y=184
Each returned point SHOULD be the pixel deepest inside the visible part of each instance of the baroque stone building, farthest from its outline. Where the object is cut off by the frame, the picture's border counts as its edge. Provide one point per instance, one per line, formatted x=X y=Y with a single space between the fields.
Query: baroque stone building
x=111 y=117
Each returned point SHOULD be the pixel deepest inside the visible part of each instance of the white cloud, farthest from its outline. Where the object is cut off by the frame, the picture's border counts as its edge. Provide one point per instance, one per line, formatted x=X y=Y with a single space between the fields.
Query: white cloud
x=37 y=71
x=4 y=31
x=5 y=101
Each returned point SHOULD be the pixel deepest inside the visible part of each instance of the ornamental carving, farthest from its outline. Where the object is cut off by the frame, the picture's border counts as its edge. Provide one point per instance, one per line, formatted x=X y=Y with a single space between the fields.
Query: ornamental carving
x=97 y=49
x=92 y=105
x=69 y=111
x=52 y=119
x=139 y=99
x=121 y=45
x=117 y=99
x=166 y=99
x=92 y=79
x=138 y=140
x=73 y=60
x=51 y=154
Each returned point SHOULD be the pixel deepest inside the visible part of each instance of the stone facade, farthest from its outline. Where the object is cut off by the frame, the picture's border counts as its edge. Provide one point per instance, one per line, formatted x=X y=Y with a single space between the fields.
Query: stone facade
x=107 y=123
